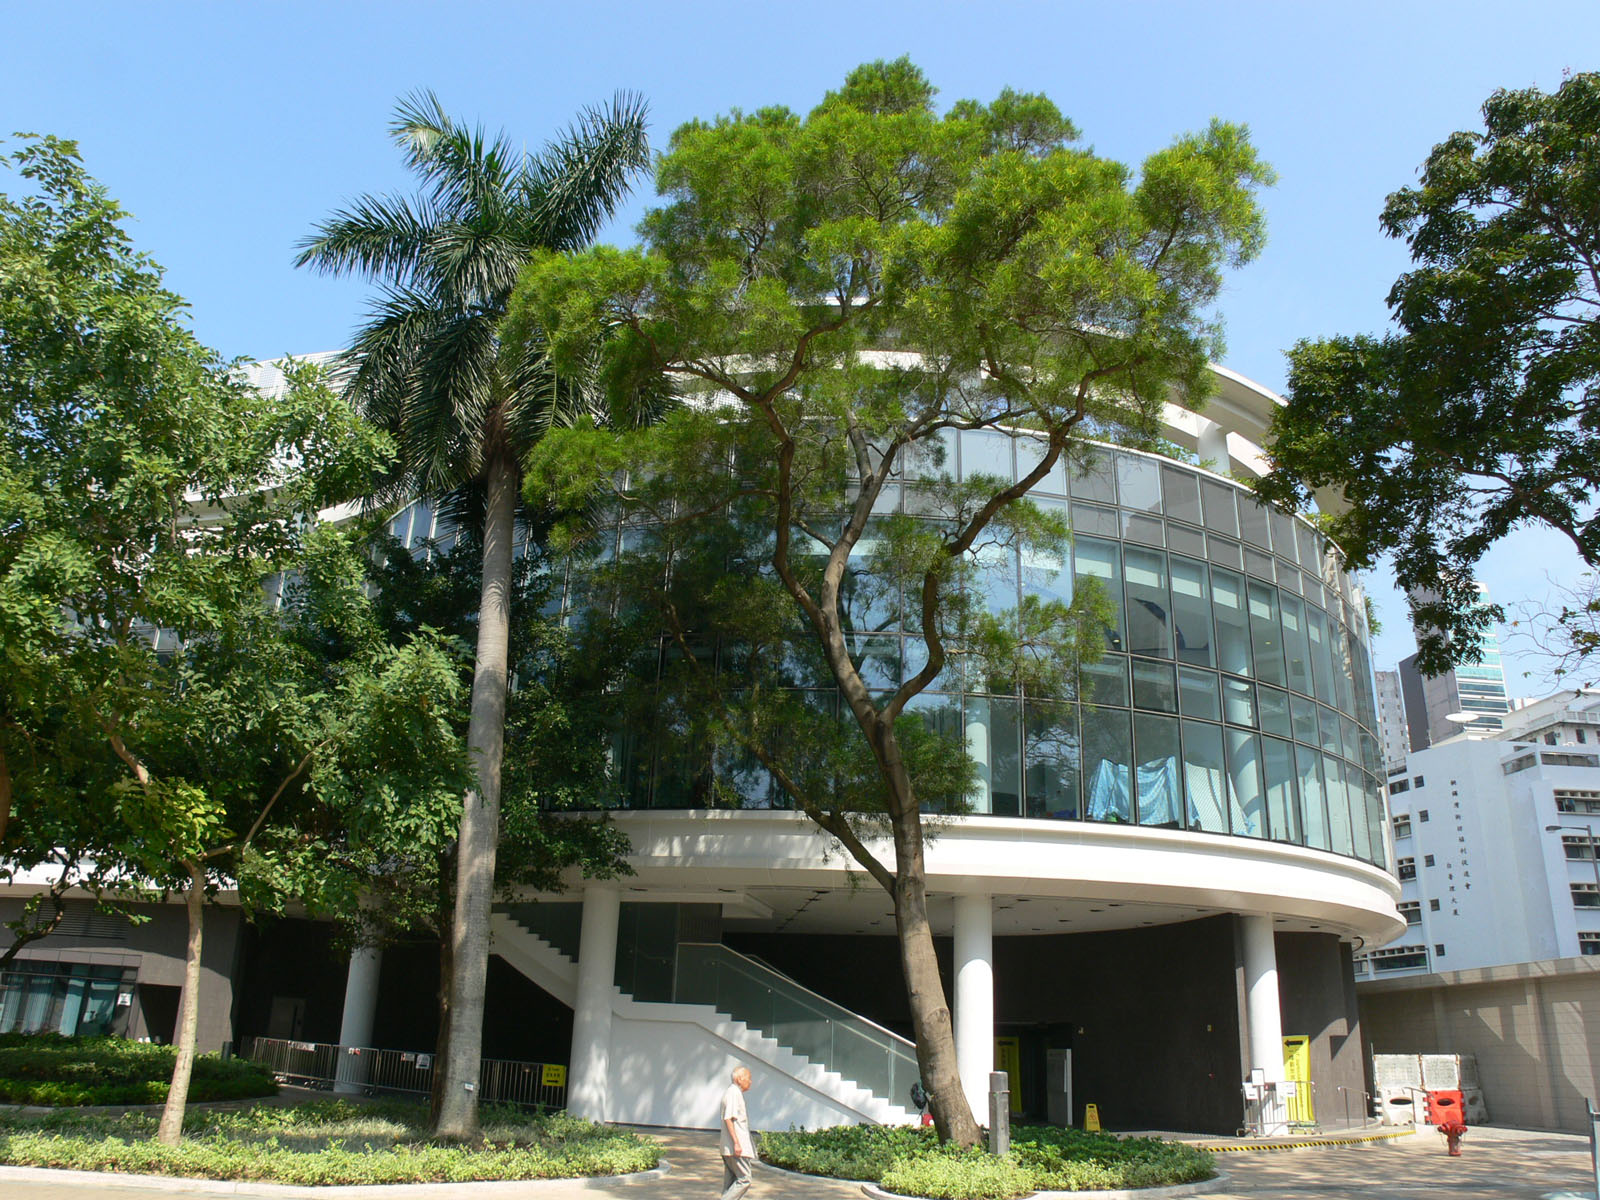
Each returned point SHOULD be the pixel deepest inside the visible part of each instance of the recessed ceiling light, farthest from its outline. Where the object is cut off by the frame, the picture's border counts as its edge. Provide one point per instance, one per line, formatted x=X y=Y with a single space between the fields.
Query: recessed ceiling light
x=1097 y=910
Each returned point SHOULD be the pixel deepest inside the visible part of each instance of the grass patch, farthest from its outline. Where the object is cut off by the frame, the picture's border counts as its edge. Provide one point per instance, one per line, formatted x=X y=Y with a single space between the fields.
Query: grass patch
x=46 y=1068
x=325 y=1142
x=911 y=1162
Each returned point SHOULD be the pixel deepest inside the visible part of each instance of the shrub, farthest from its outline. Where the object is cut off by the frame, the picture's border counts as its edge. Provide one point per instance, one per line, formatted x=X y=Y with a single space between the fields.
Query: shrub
x=54 y=1070
x=975 y=1175
x=911 y=1162
x=325 y=1142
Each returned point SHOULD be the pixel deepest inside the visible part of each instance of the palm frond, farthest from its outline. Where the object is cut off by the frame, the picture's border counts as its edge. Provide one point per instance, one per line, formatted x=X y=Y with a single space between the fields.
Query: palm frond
x=472 y=265
x=445 y=422
x=376 y=237
x=464 y=168
x=576 y=183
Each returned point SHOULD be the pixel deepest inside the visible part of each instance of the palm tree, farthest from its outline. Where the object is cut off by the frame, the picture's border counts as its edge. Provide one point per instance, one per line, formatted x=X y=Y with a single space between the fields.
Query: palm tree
x=428 y=366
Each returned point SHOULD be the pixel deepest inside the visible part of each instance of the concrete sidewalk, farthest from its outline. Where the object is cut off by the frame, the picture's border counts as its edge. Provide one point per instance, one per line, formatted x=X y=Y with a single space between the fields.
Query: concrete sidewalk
x=1497 y=1164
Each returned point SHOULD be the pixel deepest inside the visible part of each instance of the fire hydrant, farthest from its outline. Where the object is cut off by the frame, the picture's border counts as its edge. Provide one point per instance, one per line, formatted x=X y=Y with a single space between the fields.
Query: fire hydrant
x=1453 y=1132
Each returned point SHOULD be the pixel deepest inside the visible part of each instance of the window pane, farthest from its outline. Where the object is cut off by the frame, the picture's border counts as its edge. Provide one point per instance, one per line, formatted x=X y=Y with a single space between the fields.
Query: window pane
x=1253 y=522
x=1199 y=694
x=1052 y=757
x=1313 y=806
x=1191 y=612
x=1158 y=778
x=1101 y=562
x=1377 y=822
x=1274 y=711
x=1283 y=535
x=1136 y=527
x=1094 y=480
x=1238 y=702
x=1153 y=686
x=1310 y=557
x=1295 y=643
x=1224 y=552
x=1048 y=573
x=1095 y=520
x=1107 y=756
x=1328 y=725
x=1203 y=777
x=1149 y=607
x=1246 y=789
x=1283 y=805
x=1305 y=721
x=1185 y=540
x=1266 y=634
x=1321 y=659
x=986 y=453
x=1338 y=806
x=1360 y=828
x=1221 y=516
x=1182 y=493
x=993 y=742
x=1139 y=483
x=1233 y=624
x=1104 y=682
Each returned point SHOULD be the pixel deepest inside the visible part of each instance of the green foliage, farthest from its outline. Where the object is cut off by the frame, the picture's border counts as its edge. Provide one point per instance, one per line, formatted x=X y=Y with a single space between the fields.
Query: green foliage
x=910 y=1161
x=326 y=1143
x=54 y=1070
x=1479 y=415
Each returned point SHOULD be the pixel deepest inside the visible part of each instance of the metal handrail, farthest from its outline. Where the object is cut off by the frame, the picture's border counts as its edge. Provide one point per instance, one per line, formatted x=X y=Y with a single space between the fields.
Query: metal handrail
x=834 y=1005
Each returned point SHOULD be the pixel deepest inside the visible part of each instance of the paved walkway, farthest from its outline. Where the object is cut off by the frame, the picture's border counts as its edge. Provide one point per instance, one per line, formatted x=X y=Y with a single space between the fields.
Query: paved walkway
x=1496 y=1164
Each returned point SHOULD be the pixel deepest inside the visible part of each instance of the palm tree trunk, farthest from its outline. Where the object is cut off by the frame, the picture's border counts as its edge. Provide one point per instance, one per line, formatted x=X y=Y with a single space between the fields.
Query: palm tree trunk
x=480 y=815
x=171 y=1130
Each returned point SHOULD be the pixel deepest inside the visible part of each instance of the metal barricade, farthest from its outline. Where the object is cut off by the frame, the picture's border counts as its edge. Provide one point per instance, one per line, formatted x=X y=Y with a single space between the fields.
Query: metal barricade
x=366 y=1070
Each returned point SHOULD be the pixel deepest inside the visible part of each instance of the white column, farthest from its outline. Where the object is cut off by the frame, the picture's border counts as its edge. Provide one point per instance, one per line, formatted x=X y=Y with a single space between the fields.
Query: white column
x=1261 y=997
x=1213 y=446
x=360 y=1007
x=974 y=938
x=982 y=797
x=588 y=1080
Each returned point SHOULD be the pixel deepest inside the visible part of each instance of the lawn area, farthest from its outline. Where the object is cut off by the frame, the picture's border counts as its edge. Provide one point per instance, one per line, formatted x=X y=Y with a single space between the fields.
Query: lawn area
x=45 y=1068
x=910 y=1161
x=325 y=1142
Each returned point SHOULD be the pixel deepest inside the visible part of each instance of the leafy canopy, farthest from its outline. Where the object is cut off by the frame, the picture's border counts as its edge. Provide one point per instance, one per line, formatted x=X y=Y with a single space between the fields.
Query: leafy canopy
x=1479 y=414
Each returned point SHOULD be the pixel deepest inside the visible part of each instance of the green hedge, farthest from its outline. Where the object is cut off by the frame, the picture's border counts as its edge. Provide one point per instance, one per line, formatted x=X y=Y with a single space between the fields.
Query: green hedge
x=45 y=1068
x=910 y=1161
x=325 y=1142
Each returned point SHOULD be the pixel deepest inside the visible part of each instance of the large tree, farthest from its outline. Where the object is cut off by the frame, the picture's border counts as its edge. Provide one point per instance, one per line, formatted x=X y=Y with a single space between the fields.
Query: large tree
x=165 y=728
x=431 y=368
x=1481 y=412
x=845 y=288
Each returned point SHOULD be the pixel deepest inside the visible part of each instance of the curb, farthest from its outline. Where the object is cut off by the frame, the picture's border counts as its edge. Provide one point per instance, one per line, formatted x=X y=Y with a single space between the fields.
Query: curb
x=1305 y=1144
x=1215 y=1184
x=339 y=1191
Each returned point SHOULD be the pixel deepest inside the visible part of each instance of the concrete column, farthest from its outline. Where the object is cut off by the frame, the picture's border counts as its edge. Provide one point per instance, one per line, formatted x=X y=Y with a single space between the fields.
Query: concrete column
x=355 y=1026
x=974 y=938
x=1213 y=446
x=1261 y=997
x=588 y=1080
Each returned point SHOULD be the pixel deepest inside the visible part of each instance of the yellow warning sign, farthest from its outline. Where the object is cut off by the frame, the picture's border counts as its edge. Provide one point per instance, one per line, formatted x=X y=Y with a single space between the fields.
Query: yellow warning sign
x=553 y=1075
x=1091 y=1118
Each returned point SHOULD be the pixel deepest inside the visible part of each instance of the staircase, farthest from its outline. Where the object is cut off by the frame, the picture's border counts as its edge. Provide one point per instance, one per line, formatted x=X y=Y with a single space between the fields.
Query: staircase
x=815 y=1063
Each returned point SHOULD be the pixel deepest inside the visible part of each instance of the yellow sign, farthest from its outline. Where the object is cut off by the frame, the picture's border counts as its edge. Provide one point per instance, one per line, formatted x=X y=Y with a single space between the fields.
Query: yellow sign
x=1091 y=1118
x=1008 y=1058
x=553 y=1075
x=1297 y=1069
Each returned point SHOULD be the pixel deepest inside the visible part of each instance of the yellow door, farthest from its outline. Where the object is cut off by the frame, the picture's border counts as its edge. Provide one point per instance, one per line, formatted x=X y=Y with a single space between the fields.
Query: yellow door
x=1297 y=1067
x=1008 y=1058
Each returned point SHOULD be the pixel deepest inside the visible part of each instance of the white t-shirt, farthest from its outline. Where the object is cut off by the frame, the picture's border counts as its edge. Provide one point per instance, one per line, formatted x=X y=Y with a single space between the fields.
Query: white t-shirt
x=733 y=1109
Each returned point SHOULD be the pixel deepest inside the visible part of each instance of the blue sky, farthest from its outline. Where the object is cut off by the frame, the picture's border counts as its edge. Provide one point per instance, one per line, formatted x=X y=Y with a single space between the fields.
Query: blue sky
x=228 y=130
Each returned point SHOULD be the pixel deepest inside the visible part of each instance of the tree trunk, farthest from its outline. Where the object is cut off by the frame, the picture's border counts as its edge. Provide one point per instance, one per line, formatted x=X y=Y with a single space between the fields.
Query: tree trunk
x=171 y=1130
x=441 y=1042
x=480 y=816
x=930 y=1013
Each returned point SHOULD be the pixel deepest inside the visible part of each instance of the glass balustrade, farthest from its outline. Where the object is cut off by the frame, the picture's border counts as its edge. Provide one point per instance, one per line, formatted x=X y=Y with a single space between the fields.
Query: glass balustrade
x=813 y=1027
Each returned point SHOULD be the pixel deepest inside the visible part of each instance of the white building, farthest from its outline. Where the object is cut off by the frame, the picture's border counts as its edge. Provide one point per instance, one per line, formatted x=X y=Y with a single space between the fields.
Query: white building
x=1392 y=729
x=1165 y=875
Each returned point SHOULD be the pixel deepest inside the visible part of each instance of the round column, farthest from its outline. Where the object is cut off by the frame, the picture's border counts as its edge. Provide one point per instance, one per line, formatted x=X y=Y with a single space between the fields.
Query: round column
x=1213 y=446
x=974 y=947
x=355 y=1026
x=1262 y=1008
x=589 y=1077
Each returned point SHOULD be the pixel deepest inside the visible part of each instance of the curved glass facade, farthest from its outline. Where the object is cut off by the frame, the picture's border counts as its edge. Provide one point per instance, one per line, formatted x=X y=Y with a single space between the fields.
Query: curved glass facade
x=1234 y=696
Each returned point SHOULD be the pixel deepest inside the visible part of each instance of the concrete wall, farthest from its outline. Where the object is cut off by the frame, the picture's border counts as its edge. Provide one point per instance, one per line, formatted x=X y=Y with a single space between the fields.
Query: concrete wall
x=157 y=948
x=1534 y=1027
x=1318 y=993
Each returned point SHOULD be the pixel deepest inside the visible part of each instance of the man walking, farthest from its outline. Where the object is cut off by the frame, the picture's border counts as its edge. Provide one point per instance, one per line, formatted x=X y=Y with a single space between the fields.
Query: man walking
x=738 y=1151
